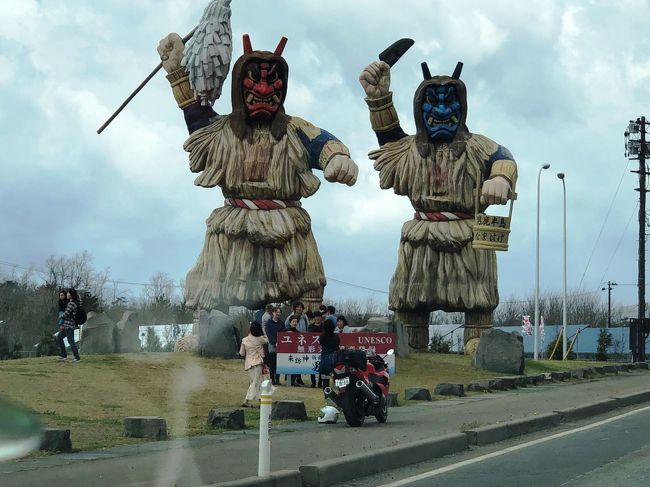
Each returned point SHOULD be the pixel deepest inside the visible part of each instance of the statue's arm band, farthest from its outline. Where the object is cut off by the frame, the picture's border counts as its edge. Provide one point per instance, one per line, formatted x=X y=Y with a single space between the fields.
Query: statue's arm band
x=506 y=169
x=332 y=148
x=180 y=83
x=383 y=116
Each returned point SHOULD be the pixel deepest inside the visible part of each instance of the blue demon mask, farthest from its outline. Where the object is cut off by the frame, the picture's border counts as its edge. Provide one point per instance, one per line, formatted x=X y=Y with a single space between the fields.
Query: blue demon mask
x=441 y=110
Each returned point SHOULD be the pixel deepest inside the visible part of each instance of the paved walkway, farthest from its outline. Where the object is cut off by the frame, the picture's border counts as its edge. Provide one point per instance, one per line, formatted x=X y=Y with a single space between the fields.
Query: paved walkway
x=207 y=459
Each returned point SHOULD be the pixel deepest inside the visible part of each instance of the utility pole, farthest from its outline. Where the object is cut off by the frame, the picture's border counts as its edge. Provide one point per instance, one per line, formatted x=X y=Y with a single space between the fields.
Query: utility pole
x=642 y=224
x=609 y=287
x=635 y=145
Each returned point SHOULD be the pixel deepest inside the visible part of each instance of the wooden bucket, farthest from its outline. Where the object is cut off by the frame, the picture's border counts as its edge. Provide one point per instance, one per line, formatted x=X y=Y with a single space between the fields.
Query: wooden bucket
x=490 y=232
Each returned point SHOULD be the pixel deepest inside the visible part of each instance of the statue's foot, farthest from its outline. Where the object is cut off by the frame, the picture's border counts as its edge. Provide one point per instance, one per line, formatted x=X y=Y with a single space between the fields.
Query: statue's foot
x=471 y=346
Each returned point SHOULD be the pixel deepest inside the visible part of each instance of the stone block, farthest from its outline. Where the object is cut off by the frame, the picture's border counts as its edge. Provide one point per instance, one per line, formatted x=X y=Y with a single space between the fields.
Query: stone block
x=288 y=410
x=56 y=439
x=449 y=390
x=589 y=372
x=417 y=394
x=503 y=383
x=521 y=381
x=599 y=370
x=535 y=379
x=643 y=365
x=392 y=400
x=217 y=336
x=98 y=335
x=482 y=385
x=577 y=373
x=128 y=329
x=149 y=427
x=227 y=418
x=499 y=351
x=560 y=376
x=610 y=369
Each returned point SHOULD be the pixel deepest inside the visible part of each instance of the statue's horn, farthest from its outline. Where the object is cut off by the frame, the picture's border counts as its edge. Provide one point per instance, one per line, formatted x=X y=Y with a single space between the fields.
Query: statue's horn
x=280 y=48
x=425 y=71
x=459 y=68
x=248 y=48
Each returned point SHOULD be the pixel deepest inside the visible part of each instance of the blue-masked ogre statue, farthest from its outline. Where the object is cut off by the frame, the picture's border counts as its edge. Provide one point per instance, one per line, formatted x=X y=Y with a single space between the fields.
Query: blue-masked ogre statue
x=437 y=169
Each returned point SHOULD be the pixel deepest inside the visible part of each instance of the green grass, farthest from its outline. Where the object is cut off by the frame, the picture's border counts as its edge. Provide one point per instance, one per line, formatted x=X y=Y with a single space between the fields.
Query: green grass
x=94 y=396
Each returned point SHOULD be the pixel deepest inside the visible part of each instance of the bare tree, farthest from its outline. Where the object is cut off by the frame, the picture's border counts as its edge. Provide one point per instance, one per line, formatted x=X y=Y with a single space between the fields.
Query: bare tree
x=358 y=312
x=160 y=287
x=77 y=272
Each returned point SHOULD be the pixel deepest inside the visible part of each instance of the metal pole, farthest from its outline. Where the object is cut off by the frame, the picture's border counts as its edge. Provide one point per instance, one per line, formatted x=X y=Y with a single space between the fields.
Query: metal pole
x=536 y=331
x=564 y=317
x=137 y=90
x=642 y=223
x=609 y=304
x=266 y=402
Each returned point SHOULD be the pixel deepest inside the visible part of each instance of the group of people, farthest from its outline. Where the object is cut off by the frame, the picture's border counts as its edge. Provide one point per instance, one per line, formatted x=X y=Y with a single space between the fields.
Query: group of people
x=69 y=305
x=259 y=348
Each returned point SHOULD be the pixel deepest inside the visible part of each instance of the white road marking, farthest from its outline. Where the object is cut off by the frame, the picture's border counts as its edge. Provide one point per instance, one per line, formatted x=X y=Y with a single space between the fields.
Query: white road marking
x=449 y=468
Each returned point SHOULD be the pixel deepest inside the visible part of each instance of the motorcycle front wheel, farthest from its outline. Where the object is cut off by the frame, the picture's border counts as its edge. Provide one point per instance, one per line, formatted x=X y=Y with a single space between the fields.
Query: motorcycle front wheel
x=353 y=409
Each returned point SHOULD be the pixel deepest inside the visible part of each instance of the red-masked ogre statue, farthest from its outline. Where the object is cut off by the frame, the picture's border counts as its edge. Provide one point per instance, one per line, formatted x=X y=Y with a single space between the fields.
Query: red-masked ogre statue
x=259 y=247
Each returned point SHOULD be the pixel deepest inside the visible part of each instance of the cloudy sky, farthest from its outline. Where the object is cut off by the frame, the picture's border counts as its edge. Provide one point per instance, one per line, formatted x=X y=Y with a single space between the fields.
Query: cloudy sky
x=554 y=81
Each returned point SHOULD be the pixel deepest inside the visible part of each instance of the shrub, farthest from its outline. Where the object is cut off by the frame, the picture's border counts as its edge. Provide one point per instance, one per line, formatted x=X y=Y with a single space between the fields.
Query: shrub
x=604 y=341
x=47 y=346
x=439 y=344
x=558 y=351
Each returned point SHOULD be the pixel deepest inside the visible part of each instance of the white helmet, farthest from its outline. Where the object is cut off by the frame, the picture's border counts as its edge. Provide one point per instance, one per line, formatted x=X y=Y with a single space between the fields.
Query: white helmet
x=328 y=415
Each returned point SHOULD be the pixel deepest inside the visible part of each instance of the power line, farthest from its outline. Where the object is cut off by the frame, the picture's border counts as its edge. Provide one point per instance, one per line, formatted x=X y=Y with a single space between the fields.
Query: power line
x=604 y=222
x=619 y=242
x=144 y=284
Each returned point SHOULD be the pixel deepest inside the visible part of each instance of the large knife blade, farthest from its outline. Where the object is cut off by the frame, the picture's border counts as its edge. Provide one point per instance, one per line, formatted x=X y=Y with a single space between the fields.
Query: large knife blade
x=395 y=51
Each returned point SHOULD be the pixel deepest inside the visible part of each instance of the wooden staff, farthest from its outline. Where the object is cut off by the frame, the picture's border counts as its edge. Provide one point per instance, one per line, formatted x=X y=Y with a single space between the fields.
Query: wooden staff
x=137 y=90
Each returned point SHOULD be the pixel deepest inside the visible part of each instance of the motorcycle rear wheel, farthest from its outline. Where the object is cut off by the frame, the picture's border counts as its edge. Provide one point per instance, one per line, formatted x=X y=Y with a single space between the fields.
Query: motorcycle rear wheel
x=353 y=409
x=382 y=410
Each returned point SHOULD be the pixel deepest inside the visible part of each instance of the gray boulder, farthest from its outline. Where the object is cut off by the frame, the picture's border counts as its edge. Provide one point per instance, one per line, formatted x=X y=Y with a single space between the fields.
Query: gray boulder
x=417 y=394
x=449 y=390
x=150 y=427
x=499 y=351
x=55 y=439
x=128 y=329
x=98 y=334
x=227 y=418
x=217 y=335
x=288 y=410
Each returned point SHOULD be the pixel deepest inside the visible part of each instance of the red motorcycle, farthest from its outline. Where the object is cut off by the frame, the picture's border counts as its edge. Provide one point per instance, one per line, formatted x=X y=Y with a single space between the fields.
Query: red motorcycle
x=361 y=386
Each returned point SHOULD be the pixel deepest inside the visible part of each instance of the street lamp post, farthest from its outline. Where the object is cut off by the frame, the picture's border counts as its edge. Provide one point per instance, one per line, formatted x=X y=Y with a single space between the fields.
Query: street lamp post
x=535 y=344
x=560 y=175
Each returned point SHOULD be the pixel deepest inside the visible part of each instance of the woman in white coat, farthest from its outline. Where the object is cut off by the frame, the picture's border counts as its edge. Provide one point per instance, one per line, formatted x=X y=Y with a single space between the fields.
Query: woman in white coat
x=252 y=349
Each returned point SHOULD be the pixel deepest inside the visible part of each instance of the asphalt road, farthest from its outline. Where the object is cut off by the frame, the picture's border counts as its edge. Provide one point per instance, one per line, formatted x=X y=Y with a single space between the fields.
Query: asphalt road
x=199 y=461
x=603 y=452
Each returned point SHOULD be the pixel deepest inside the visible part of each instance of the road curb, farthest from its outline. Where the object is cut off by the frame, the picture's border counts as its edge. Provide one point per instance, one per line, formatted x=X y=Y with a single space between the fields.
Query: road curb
x=329 y=472
x=586 y=410
x=633 y=398
x=281 y=478
x=509 y=429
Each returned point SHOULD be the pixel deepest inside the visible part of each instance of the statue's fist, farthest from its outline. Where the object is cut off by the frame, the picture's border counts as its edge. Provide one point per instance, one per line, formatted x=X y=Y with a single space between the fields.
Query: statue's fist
x=341 y=169
x=375 y=79
x=170 y=49
x=495 y=191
